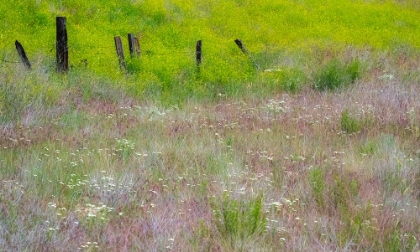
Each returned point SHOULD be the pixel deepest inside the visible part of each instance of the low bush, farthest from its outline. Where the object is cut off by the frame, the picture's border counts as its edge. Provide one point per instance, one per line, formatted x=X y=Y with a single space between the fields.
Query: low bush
x=335 y=75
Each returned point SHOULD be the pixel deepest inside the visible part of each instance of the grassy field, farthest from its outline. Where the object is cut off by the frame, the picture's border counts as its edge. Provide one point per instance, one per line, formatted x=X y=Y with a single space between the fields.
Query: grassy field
x=309 y=143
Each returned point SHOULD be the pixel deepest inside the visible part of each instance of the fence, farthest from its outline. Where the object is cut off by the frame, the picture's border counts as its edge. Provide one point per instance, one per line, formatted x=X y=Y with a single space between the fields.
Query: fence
x=62 y=49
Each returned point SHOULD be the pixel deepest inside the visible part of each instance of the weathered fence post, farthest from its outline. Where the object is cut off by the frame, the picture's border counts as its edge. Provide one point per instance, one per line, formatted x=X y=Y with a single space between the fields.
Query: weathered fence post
x=198 y=52
x=22 y=55
x=238 y=42
x=120 y=52
x=133 y=45
x=62 y=53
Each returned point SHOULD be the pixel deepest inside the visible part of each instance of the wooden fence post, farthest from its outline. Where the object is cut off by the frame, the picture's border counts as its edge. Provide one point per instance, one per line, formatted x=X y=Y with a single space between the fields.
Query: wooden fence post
x=198 y=52
x=133 y=45
x=22 y=55
x=120 y=52
x=238 y=42
x=62 y=53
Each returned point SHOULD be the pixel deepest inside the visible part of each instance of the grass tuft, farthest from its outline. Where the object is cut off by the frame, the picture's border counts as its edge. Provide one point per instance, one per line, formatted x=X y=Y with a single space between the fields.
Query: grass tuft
x=237 y=220
x=349 y=124
x=336 y=75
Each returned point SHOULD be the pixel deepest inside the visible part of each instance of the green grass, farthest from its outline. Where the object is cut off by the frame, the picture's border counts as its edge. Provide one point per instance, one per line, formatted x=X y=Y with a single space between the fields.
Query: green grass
x=308 y=142
x=349 y=124
x=335 y=75
x=236 y=220
x=168 y=31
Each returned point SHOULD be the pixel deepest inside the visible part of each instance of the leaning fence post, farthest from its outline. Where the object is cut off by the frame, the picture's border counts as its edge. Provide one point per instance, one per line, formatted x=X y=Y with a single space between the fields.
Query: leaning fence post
x=62 y=53
x=120 y=52
x=22 y=55
x=133 y=45
x=238 y=42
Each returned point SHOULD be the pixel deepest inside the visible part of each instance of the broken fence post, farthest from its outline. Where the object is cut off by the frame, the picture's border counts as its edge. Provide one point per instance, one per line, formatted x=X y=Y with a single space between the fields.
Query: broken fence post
x=238 y=42
x=134 y=45
x=22 y=54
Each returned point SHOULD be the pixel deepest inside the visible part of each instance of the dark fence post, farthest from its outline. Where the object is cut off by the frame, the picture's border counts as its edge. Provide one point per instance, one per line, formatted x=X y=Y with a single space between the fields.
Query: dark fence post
x=133 y=45
x=198 y=52
x=22 y=55
x=238 y=42
x=62 y=53
x=120 y=52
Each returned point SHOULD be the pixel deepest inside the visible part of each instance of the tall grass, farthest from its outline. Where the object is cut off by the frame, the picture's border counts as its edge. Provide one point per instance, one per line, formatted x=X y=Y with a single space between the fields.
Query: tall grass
x=231 y=158
x=117 y=174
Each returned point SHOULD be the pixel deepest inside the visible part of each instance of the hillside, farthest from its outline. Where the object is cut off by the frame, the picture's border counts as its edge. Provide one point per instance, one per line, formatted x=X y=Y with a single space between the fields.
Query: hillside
x=310 y=141
x=168 y=30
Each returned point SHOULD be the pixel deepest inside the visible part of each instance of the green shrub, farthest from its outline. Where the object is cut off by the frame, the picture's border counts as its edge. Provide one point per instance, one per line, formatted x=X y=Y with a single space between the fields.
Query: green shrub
x=335 y=75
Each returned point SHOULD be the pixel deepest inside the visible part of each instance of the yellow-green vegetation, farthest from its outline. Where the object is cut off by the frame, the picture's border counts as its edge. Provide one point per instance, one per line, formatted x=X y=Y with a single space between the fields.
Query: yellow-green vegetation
x=278 y=34
x=310 y=142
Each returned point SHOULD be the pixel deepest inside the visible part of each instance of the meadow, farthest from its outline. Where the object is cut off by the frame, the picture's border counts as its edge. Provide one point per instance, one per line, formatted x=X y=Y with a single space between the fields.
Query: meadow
x=311 y=142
